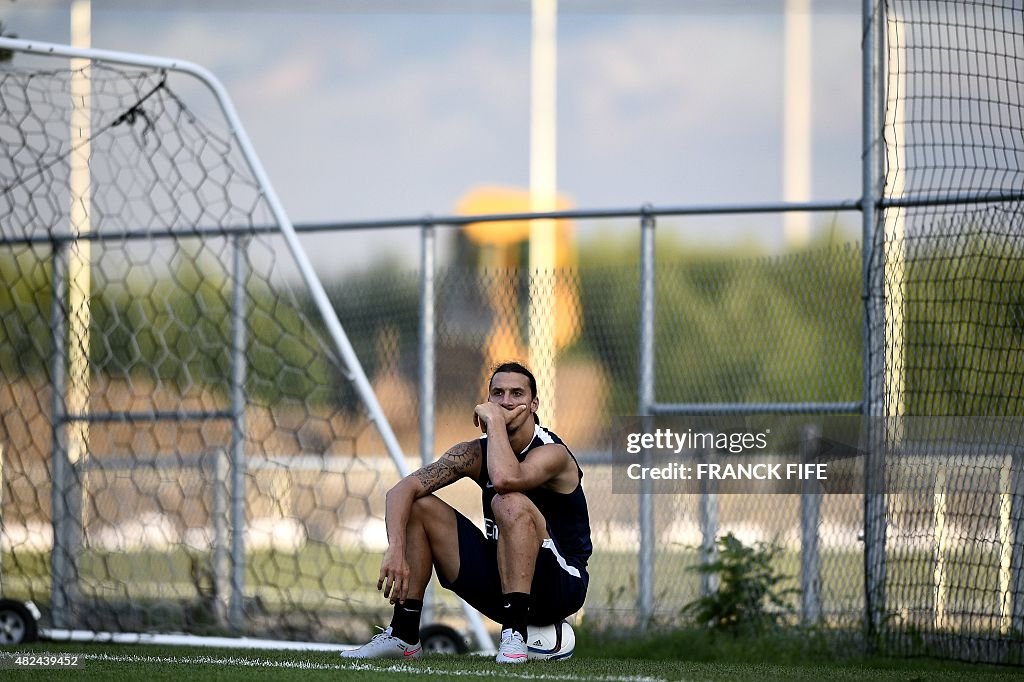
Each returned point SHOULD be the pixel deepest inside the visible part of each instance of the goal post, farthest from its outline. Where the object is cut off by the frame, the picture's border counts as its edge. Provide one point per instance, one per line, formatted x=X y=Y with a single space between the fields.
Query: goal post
x=202 y=357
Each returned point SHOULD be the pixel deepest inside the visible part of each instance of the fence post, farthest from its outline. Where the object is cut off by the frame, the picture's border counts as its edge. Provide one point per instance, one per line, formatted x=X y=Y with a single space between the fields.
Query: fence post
x=645 y=581
x=810 y=516
x=708 y=518
x=873 y=102
x=427 y=379
x=427 y=350
x=64 y=517
x=236 y=600
x=219 y=555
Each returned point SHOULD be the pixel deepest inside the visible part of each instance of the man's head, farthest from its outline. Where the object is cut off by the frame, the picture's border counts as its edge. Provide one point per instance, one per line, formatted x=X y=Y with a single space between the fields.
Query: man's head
x=512 y=384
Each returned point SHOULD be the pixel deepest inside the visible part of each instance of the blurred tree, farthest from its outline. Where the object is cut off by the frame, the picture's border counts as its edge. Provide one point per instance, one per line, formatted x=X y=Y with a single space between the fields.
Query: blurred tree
x=728 y=328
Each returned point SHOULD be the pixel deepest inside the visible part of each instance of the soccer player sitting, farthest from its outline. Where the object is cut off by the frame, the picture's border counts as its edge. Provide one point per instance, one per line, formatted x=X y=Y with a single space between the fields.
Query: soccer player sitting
x=529 y=566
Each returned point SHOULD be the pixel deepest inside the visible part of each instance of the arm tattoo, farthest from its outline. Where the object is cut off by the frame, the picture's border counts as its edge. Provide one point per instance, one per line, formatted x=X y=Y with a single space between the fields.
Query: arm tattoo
x=450 y=467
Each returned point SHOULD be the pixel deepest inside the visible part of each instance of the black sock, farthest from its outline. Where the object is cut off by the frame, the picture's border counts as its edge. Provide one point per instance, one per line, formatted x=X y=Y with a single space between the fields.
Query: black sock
x=516 y=612
x=405 y=624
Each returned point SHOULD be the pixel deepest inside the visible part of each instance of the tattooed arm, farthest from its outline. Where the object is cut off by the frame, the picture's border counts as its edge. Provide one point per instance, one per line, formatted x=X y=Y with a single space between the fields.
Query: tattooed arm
x=461 y=460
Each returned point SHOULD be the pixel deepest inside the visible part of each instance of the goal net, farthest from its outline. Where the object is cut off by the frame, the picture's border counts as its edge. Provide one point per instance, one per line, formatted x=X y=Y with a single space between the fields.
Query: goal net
x=948 y=279
x=186 y=442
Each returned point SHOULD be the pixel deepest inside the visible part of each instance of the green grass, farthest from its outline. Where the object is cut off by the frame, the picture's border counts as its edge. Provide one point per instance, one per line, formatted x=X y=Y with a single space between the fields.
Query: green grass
x=686 y=655
x=333 y=581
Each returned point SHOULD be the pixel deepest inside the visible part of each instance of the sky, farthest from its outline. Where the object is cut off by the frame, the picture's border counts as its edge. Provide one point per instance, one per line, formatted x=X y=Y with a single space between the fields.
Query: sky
x=367 y=109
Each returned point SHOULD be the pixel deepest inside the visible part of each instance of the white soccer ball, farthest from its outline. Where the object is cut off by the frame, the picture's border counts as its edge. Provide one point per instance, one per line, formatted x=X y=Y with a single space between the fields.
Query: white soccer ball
x=550 y=642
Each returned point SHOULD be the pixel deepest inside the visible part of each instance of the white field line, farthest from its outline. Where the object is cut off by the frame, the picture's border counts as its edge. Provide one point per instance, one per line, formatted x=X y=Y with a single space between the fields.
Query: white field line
x=410 y=668
x=91 y=636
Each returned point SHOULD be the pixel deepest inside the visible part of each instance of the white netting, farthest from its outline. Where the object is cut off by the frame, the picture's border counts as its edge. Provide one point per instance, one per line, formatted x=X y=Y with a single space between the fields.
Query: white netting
x=174 y=483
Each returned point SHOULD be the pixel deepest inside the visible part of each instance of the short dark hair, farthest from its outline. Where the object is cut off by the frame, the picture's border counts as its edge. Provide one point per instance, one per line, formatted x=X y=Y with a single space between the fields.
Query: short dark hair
x=517 y=368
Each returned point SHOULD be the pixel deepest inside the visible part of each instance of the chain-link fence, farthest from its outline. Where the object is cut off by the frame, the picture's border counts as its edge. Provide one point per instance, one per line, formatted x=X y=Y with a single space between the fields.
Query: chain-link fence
x=184 y=447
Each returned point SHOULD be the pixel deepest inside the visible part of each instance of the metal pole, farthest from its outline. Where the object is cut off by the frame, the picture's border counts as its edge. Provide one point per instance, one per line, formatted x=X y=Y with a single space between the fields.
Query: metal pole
x=810 y=517
x=543 y=198
x=702 y=409
x=796 y=119
x=427 y=371
x=645 y=583
x=236 y=599
x=707 y=515
x=219 y=555
x=62 y=568
x=427 y=342
x=79 y=269
x=873 y=362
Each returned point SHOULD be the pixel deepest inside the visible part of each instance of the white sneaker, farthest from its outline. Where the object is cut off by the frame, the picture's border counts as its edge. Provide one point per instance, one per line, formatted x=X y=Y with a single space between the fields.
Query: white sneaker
x=512 y=648
x=386 y=645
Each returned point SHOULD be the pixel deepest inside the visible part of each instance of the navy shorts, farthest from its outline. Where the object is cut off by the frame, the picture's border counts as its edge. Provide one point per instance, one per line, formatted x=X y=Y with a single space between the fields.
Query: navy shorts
x=558 y=589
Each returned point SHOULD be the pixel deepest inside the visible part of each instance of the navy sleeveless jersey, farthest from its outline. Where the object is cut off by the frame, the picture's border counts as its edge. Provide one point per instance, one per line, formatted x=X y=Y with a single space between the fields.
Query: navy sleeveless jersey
x=566 y=513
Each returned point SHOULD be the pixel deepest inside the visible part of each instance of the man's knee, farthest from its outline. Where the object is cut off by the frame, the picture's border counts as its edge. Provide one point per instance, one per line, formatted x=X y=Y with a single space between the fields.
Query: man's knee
x=512 y=509
x=424 y=507
x=436 y=517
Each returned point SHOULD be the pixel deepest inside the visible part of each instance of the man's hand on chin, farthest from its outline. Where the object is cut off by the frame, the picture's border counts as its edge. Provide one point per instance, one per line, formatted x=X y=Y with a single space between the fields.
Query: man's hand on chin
x=485 y=413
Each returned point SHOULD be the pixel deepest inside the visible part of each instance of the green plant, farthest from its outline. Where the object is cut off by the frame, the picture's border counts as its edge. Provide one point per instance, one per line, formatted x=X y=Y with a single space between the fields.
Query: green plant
x=750 y=594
